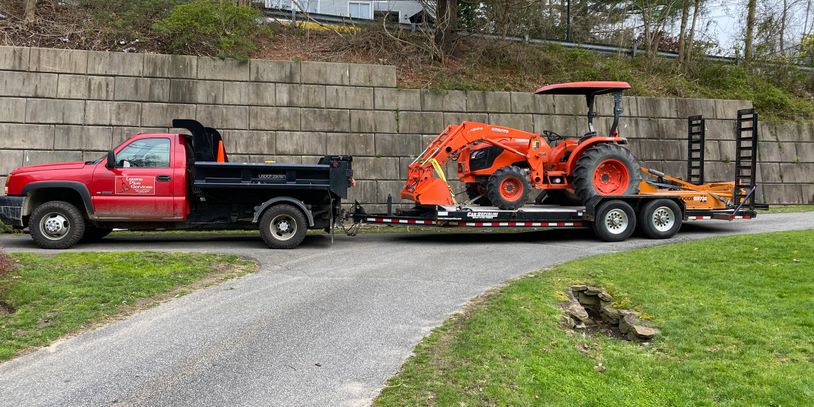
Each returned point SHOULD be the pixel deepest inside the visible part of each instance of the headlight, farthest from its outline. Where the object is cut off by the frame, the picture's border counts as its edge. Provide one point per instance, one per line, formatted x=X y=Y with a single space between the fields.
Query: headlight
x=477 y=154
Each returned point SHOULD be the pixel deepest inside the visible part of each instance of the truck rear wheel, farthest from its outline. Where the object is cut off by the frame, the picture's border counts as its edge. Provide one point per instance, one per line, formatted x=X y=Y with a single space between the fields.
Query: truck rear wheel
x=614 y=221
x=56 y=225
x=283 y=227
x=606 y=170
x=660 y=219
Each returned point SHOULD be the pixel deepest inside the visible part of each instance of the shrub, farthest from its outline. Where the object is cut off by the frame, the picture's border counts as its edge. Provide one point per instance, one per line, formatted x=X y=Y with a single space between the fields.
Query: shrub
x=210 y=27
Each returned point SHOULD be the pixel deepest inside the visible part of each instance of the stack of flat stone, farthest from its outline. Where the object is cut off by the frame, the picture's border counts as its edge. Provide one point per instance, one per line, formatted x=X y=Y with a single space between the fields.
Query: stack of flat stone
x=589 y=305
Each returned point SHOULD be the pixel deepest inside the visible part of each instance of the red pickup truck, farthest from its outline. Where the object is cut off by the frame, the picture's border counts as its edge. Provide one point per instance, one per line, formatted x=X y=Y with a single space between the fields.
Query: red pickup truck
x=174 y=181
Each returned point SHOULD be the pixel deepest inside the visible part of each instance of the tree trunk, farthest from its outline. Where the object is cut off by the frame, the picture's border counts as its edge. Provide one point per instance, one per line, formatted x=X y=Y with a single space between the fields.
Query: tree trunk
x=682 y=32
x=445 y=23
x=691 y=37
x=783 y=17
x=30 y=11
x=750 y=30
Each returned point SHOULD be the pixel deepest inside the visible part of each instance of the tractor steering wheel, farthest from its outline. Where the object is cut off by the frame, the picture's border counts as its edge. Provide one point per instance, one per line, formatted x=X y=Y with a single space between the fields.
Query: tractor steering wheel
x=552 y=136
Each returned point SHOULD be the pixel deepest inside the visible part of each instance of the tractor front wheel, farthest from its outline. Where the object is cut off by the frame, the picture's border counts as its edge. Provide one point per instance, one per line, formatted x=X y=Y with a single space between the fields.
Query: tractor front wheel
x=606 y=170
x=508 y=187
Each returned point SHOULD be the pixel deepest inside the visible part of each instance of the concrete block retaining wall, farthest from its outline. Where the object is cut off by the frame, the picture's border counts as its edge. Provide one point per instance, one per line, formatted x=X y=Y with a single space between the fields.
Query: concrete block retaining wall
x=58 y=105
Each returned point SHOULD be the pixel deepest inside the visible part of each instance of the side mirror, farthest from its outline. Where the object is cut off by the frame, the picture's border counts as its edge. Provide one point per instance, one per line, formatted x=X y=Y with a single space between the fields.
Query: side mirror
x=111 y=159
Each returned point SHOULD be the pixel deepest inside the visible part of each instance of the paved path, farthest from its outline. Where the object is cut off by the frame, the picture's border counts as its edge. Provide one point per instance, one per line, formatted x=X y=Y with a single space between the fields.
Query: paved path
x=321 y=325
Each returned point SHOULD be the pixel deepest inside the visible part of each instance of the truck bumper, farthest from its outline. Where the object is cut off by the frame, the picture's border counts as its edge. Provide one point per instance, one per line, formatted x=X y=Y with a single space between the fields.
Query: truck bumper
x=11 y=210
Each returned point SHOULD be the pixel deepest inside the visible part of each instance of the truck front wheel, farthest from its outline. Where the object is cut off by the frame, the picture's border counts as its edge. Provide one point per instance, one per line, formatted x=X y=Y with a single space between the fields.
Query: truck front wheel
x=56 y=225
x=283 y=227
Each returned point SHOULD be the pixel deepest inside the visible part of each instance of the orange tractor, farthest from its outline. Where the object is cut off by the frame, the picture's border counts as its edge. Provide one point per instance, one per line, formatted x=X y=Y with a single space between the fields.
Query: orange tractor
x=501 y=166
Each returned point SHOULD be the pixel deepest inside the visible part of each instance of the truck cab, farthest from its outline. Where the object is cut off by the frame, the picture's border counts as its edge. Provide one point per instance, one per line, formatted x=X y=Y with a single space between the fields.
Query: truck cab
x=174 y=181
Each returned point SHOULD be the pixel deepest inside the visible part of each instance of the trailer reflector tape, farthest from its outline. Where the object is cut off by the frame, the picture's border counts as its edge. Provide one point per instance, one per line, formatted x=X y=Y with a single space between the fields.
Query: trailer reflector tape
x=400 y=221
x=521 y=224
x=698 y=217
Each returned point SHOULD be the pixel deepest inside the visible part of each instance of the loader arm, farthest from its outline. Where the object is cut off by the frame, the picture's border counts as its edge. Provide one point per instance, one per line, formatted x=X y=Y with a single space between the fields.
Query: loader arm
x=425 y=187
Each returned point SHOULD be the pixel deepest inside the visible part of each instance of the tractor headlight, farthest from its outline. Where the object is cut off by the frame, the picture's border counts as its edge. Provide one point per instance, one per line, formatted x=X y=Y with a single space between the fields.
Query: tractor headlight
x=477 y=154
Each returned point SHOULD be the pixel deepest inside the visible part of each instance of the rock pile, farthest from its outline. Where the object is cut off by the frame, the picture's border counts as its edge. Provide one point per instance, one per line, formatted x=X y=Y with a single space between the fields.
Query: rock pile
x=590 y=307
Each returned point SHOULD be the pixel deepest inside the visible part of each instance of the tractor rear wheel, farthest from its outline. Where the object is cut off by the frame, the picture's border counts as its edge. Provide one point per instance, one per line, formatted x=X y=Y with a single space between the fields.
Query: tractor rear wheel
x=508 y=187
x=606 y=170
x=477 y=190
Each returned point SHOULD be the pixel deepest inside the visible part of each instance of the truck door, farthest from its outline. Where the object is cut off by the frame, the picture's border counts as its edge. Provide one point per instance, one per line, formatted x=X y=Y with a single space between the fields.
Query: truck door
x=139 y=186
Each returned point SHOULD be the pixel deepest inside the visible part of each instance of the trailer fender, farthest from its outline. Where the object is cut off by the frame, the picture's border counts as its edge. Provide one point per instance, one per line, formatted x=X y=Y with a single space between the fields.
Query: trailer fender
x=258 y=210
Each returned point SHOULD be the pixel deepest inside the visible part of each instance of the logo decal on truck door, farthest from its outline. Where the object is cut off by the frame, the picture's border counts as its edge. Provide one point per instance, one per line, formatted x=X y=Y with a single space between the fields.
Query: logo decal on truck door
x=135 y=185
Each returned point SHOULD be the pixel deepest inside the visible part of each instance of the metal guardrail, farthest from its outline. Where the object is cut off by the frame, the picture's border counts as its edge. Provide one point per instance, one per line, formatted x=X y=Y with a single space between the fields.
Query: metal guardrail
x=293 y=15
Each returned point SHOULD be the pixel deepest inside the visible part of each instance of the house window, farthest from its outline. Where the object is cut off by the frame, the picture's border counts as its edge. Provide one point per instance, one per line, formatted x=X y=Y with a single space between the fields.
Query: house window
x=360 y=9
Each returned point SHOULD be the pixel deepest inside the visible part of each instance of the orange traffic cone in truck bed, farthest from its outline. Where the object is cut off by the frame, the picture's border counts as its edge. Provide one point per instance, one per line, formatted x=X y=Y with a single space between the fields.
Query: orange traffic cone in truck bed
x=221 y=152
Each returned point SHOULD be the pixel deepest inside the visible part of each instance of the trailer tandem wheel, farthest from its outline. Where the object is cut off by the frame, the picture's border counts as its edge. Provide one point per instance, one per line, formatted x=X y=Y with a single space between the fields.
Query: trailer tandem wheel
x=660 y=219
x=614 y=221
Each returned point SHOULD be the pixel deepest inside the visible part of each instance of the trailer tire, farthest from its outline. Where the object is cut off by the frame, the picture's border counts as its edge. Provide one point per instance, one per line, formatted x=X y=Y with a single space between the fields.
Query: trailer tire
x=94 y=234
x=475 y=190
x=283 y=226
x=606 y=170
x=614 y=221
x=508 y=187
x=660 y=219
x=56 y=225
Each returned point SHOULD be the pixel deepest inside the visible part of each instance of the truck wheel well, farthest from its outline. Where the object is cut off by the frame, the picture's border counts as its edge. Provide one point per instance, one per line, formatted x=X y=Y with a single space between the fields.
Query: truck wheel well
x=40 y=196
x=258 y=212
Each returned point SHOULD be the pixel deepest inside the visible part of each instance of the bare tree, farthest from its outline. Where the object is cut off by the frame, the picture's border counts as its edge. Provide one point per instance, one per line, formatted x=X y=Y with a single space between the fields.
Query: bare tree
x=30 y=11
x=682 y=32
x=691 y=37
x=446 y=15
x=750 y=29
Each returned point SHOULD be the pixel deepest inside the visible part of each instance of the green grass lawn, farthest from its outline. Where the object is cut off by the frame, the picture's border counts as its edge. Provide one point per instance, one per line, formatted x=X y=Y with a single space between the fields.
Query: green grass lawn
x=61 y=294
x=789 y=208
x=736 y=316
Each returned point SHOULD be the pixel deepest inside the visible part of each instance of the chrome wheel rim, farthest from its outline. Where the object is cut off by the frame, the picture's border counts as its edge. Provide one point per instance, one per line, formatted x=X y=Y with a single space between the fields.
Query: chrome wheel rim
x=54 y=226
x=616 y=221
x=663 y=219
x=283 y=227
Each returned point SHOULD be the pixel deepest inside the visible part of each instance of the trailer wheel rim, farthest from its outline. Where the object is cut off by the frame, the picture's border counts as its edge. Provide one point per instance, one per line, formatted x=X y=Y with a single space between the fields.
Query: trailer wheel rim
x=511 y=189
x=283 y=227
x=616 y=221
x=663 y=219
x=611 y=177
x=54 y=226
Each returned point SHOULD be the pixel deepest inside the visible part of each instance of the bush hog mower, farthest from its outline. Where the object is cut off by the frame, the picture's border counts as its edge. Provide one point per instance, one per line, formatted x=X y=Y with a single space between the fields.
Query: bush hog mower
x=589 y=180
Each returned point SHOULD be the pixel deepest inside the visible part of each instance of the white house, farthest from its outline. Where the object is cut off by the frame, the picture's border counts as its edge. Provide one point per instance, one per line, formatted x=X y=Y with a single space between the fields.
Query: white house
x=407 y=11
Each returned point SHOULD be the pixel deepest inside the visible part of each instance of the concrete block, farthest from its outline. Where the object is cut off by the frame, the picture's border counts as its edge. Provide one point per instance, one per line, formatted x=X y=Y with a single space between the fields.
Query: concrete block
x=807 y=194
x=170 y=66
x=404 y=164
x=58 y=60
x=287 y=94
x=783 y=193
x=83 y=138
x=33 y=136
x=55 y=111
x=805 y=152
x=236 y=93
x=162 y=114
x=525 y=102
x=363 y=121
x=195 y=91
x=112 y=113
x=223 y=69
x=676 y=129
x=261 y=94
x=115 y=63
x=72 y=86
x=364 y=192
x=658 y=150
x=421 y=122
x=378 y=168
x=728 y=109
x=386 y=121
x=570 y=105
x=223 y=116
x=786 y=132
x=726 y=150
x=392 y=188
x=325 y=73
x=313 y=96
x=41 y=85
x=712 y=150
x=716 y=129
x=478 y=101
x=294 y=142
x=325 y=120
x=37 y=157
x=142 y=89
x=563 y=125
x=443 y=101
x=797 y=172
x=523 y=122
x=9 y=160
x=14 y=58
x=458 y=118
x=261 y=70
x=395 y=145
x=351 y=143
x=693 y=107
x=120 y=134
x=274 y=118
x=250 y=142
x=372 y=75
x=348 y=97
x=397 y=99
x=100 y=87
x=12 y=110
x=775 y=151
x=652 y=107
x=717 y=171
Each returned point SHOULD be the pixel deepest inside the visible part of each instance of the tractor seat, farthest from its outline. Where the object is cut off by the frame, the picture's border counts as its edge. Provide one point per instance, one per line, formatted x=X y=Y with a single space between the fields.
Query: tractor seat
x=587 y=136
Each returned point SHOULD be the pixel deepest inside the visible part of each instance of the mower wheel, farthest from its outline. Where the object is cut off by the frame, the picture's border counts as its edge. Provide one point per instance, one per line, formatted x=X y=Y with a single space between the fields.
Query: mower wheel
x=614 y=221
x=606 y=170
x=660 y=219
x=477 y=190
x=508 y=187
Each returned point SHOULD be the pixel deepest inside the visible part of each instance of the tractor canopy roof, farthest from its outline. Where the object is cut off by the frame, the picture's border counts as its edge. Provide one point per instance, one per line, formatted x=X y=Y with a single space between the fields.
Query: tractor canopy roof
x=583 y=88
